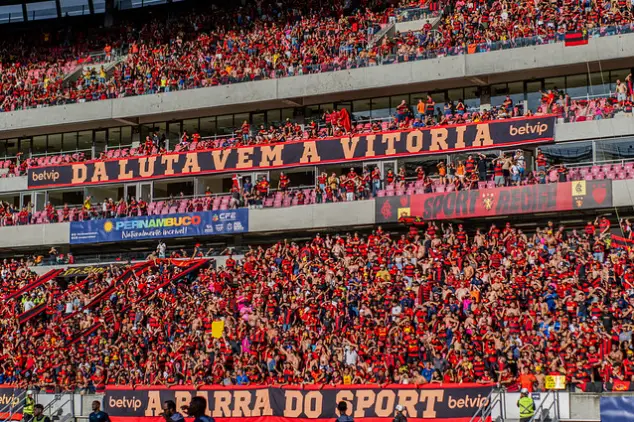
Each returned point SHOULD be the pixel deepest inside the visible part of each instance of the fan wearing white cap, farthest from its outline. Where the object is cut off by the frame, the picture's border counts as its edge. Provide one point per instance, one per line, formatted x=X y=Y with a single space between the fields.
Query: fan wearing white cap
x=399 y=414
x=526 y=405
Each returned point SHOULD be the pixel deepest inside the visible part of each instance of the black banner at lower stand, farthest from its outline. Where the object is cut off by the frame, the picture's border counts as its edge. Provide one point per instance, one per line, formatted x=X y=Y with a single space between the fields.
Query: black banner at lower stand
x=370 y=403
x=87 y=270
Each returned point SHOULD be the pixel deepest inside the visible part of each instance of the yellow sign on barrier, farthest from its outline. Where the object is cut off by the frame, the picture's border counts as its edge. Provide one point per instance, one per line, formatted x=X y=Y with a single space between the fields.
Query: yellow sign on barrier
x=555 y=382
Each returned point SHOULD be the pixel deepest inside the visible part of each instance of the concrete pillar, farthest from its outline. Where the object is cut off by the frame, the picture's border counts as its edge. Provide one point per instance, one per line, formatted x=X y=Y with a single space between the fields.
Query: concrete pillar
x=485 y=98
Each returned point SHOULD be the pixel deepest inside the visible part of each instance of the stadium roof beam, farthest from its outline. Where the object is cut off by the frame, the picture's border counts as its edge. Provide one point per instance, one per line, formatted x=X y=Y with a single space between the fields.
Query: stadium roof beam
x=479 y=80
x=294 y=102
x=14 y=2
x=130 y=121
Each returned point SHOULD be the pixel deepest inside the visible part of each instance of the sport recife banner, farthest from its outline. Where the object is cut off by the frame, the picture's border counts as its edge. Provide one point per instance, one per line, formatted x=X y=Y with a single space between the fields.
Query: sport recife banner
x=529 y=199
x=276 y=404
x=160 y=226
x=436 y=140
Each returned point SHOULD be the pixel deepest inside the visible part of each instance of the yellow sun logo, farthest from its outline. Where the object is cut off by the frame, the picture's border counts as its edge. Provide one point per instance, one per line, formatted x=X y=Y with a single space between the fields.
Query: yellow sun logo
x=107 y=226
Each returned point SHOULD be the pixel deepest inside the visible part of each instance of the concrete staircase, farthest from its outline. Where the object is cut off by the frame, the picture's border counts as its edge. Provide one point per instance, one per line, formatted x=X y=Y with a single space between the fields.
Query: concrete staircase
x=390 y=29
x=416 y=25
x=97 y=60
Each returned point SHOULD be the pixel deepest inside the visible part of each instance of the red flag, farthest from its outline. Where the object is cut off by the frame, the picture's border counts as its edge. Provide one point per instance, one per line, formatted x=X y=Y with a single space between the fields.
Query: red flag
x=344 y=120
x=621 y=242
x=236 y=181
x=620 y=385
x=575 y=38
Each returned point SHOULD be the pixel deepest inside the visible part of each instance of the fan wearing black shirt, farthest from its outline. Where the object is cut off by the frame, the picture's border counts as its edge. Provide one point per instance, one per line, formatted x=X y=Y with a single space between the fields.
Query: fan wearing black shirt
x=169 y=412
x=481 y=165
x=197 y=408
x=97 y=415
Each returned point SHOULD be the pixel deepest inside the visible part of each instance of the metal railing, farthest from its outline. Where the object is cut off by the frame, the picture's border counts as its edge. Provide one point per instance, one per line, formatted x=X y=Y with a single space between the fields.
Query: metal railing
x=377 y=36
x=55 y=153
x=120 y=146
x=51 y=404
x=485 y=412
x=55 y=408
x=405 y=14
x=10 y=157
x=543 y=411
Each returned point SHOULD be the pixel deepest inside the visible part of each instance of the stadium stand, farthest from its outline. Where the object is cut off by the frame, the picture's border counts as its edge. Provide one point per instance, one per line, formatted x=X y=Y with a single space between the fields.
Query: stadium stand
x=476 y=171
x=525 y=281
x=191 y=51
x=432 y=306
x=338 y=123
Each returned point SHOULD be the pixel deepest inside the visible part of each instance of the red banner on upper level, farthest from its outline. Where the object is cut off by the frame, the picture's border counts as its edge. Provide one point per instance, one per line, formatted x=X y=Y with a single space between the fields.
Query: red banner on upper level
x=531 y=199
x=374 y=146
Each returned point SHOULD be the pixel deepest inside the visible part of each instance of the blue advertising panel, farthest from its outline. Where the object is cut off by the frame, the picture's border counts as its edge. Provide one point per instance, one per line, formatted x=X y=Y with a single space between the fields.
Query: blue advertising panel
x=617 y=408
x=160 y=226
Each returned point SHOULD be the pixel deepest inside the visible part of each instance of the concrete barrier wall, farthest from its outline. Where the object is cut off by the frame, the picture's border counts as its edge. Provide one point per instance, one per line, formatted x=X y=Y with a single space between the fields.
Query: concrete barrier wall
x=35 y=235
x=14 y=184
x=262 y=93
x=305 y=217
x=623 y=193
x=316 y=216
x=585 y=406
x=621 y=125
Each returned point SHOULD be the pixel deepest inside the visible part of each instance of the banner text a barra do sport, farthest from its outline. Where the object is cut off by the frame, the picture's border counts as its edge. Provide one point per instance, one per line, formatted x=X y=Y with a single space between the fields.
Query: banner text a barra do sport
x=370 y=403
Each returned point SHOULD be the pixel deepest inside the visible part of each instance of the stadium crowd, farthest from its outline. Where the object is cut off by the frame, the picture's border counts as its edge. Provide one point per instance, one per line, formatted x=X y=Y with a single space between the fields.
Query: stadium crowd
x=470 y=27
x=69 y=295
x=438 y=304
x=426 y=113
x=262 y=40
x=476 y=171
x=15 y=275
x=212 y=46
x=435 y=305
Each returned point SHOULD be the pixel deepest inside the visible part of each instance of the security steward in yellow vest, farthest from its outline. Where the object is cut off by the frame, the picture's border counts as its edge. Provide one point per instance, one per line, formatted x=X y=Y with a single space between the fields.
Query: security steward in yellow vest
x=29 y=404
x=38 y=414
x=526 y=405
